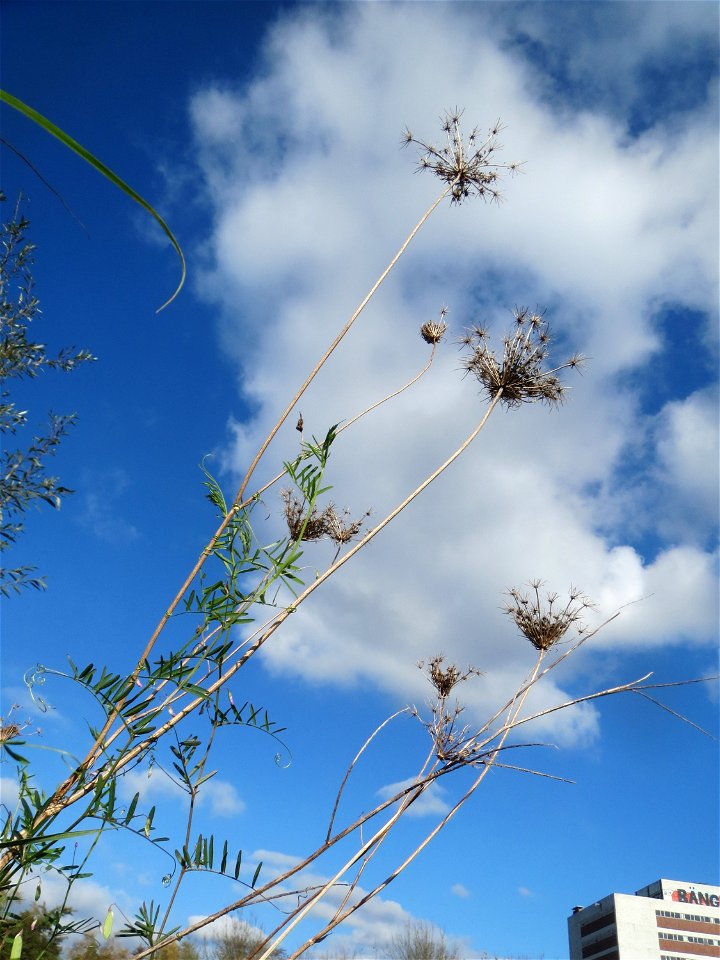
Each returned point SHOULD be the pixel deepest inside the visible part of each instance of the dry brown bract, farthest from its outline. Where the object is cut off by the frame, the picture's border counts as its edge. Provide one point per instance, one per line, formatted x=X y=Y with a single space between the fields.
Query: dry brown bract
x=542 y=622
x=519 y=373
x=467 y=167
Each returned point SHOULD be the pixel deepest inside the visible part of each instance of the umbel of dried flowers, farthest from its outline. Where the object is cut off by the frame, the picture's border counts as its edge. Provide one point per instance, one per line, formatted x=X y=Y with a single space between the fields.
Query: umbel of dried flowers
x=545 y=622
x=433 y=331
x=518 y=374
x=468 y=166
x=328 y=523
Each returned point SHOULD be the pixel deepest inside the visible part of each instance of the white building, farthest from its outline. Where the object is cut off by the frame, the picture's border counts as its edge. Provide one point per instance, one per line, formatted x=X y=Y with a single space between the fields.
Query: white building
x=667 y=920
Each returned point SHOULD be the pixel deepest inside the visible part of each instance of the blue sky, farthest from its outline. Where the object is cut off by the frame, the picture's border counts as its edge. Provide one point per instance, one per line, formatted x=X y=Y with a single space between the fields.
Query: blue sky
x=268 y=135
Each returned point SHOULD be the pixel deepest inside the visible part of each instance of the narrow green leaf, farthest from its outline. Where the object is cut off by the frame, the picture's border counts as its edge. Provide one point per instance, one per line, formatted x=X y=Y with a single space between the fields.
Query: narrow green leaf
x=11 y=753
x=256 y=874
x=48 y=837
x=238 y=862
x=197 y=691
x=223 y=862
x=63 y=137
x=131 y=809
x=16 y=950
x=108 y=924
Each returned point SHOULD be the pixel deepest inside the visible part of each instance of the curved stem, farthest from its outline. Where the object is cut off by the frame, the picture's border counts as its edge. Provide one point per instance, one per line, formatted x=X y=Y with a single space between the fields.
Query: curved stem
x=392 y=395
x=321 y=362
x=238 y=501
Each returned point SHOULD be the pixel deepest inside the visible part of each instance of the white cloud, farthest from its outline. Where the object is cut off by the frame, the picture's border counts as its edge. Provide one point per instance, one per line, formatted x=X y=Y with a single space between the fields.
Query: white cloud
x=223 y=798
x=9 y=789
x=311 y=197
x=431 y=802
x=219 y=796
x=368 y=927
x=225 y=927
x=689 y=452
x=101 y=506
x=87 y=900
x=459 y=890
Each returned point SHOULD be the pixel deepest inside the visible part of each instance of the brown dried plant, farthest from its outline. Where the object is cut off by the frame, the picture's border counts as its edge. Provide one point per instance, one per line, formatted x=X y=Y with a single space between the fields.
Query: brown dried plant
x=433 y=331
x=133 y=728
x=315 y=525
x=544 y=623
x=468 y=167
x=519 y=374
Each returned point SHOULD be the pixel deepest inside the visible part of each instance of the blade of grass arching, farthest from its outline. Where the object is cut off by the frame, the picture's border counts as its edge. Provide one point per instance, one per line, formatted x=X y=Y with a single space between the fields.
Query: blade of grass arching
x=73 y=145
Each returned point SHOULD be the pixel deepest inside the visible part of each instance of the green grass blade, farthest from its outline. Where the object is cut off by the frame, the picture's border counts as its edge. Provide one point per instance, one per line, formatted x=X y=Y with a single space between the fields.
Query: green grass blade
x=63 y=137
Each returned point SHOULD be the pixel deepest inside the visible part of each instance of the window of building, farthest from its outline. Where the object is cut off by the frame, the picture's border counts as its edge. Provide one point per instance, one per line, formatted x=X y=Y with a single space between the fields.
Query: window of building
x=587 y=928
x=593 y=949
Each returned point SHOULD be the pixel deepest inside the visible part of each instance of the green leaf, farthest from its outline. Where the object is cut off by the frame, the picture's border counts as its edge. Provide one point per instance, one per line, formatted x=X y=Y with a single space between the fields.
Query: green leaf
x=258 y=868
x=131 y=809
x=238 y=862
x=73 y=145
x=223 y=862
x=11 y=753
x=16 y=950
x=107 y=926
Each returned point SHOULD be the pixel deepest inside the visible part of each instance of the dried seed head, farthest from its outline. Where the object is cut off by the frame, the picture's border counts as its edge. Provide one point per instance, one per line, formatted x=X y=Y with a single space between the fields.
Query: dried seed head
x=445 y=678
x=9 y=731
x=518 y=375
x=449 y=739
x=433 y=331
x=338 y=529
x=300 y=525
x=467 y=168
x=318 y=525
x=544 y=623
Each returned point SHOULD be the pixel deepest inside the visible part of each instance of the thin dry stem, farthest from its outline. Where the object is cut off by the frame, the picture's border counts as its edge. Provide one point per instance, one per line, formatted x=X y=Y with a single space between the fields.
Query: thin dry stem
x=353 y=763
x=56 y=802
x=321 y=362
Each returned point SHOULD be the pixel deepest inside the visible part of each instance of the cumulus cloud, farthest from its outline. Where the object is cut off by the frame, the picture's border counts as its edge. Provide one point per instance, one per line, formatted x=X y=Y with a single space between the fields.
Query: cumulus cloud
x=9 y=791
x=365 y=929
x=432 y=801
x=686 y=434
x=311 y=198
x=459 y=890
x=219 y=797
x=102 y=511
x=226 y=927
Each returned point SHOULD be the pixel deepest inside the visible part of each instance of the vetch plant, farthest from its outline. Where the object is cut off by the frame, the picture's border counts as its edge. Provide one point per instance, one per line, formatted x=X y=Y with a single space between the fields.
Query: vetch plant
x=166 y=711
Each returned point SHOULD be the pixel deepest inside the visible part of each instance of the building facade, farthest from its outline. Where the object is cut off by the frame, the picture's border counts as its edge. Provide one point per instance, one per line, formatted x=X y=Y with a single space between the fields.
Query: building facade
x=667 y=920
